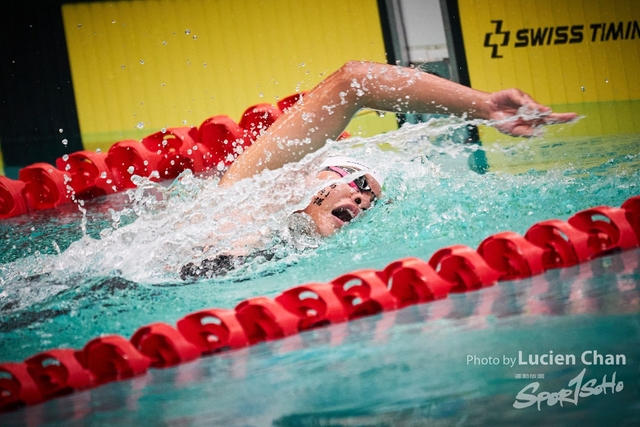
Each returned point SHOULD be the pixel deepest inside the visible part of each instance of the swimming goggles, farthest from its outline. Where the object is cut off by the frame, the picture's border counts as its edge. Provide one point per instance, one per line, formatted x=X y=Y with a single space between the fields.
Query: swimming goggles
x=360 y=183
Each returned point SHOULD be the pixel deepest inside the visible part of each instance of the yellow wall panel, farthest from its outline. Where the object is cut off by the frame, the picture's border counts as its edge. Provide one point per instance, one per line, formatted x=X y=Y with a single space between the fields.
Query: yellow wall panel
x=557 y=72
x=575 y=55
x=160 y=63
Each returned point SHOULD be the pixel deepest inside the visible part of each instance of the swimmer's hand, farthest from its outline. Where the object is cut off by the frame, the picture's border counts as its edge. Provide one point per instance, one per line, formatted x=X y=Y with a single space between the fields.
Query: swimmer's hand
x=515 y=113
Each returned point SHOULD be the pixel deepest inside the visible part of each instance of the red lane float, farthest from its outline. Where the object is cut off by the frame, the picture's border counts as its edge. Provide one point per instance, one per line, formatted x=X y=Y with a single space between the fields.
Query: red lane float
x=413 y=281
x=512 y=255
x=163 y=345
x=563 y=244
x=112 y=358
x=17 y=387
x=315 y=305
x=632 y=209
x=463 y=267
x=285 y=103
x=11 y=201
x=264 y=320
x=127 y=158
x=89 y=173
x=607 y=227
x=45 y=186
x=177 y=151
x=213 y=330
x=363 y=293
x=58 y=372
x=224 y=139
x=257 y=118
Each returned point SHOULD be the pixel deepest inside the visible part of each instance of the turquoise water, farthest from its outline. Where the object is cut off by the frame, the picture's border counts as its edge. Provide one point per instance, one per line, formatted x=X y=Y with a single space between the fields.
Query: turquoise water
x=66 y=277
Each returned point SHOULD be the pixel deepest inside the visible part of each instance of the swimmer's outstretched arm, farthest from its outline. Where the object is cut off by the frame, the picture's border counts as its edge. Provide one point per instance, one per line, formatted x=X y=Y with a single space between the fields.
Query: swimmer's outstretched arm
x=327 y=109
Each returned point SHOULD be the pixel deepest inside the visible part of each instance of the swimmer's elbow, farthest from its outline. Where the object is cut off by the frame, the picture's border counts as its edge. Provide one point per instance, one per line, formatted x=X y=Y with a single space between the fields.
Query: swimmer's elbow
x=354 y=69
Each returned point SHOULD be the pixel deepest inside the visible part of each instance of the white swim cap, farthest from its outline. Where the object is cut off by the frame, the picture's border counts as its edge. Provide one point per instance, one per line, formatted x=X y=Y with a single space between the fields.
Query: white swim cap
x=352 y=163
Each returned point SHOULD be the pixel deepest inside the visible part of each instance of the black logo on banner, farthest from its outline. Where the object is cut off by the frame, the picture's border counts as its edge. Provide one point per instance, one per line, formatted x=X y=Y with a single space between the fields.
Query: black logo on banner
x=495 y=36
x=564 y=34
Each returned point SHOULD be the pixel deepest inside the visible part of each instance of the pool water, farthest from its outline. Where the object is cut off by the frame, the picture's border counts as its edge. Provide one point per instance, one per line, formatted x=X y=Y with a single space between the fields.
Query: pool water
x=68 y=276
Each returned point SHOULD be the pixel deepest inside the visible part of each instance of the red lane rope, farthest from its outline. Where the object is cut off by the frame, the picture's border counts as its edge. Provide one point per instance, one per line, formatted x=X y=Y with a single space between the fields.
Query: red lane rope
x=214 y=145
x=504 y=256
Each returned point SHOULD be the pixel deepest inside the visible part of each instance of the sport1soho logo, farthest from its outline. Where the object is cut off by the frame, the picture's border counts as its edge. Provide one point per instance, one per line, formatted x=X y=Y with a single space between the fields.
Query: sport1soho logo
x=545 y=36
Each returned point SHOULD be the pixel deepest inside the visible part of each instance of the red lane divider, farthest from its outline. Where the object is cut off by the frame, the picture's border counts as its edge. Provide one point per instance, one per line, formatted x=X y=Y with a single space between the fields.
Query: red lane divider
x=632 y=209
x=17 y=387
x=127 y=158
x=264 y=320
x=58 y=372
x=607 y=227
x=463 y=267
x=89 y=173
x=45 y=186
x=224 y=139
x=213 y=330
x=11 y=201
x=164 y=345
x=257 y=118
x=413 y=281
x=512 y=255
x=563 y=245
x=214 y=145
x=548 y=244
x=363 y=293
x=112 y=358
x=314 y=304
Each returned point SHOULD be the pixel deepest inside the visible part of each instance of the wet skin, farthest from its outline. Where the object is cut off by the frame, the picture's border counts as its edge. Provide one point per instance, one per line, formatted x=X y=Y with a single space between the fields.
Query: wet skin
x=339 y=203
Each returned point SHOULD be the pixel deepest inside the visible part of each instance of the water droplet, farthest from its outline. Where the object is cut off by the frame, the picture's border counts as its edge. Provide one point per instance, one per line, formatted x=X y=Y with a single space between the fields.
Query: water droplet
x=142 y=62
x=163 y=130
x=60 y=130
x=582 y=88
x=65 y=142
x=113 y=22
x=98 y=150
x=146 y=162
x=79 y=25
x=122 y=66
x=131 y=169
x=140 y=125
x=184 y=122
x=606 y=80
x=187 y=31
x=65 y=157
x=164 y=42
x=195 y=37
x=205 y=64
x=103 y=175
x=162 y=84
x=261 y=95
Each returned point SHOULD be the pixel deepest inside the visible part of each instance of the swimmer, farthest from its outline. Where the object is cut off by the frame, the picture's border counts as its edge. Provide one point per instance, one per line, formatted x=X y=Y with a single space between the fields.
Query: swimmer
x=325 y=112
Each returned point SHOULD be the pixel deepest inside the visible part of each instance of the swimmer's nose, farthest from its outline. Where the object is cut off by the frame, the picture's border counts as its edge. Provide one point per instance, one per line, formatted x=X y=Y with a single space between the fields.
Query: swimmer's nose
x=362 y=200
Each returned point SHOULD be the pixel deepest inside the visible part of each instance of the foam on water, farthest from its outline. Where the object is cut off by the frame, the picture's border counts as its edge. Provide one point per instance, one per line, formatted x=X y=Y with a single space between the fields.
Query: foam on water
x=124 y=272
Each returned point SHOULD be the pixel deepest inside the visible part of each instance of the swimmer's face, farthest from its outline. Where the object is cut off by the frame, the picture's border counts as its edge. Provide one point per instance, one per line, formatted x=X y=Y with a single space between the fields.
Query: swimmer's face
x=339 y=203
